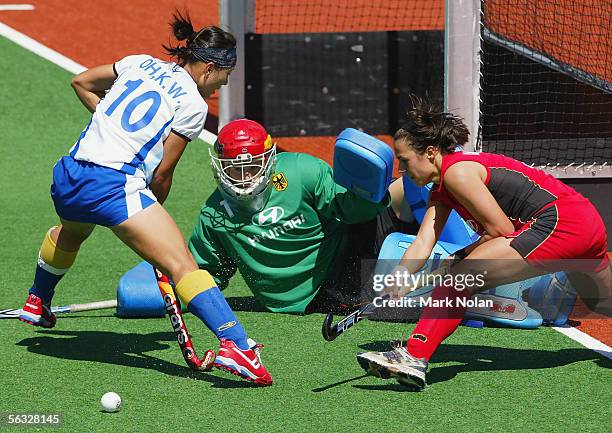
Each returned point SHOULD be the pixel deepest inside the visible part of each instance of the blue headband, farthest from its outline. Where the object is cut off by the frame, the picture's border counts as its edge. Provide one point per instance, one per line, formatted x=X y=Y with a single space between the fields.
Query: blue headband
x=221 y=57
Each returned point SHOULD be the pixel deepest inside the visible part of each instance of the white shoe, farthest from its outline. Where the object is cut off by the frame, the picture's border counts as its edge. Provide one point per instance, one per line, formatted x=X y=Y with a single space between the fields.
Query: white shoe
x=397 y=363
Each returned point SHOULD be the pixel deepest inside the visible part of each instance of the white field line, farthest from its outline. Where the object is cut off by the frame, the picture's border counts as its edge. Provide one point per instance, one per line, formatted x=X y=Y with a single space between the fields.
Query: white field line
x=585 y=339
x=40 y=49
x=63 y=61
x=15 y=7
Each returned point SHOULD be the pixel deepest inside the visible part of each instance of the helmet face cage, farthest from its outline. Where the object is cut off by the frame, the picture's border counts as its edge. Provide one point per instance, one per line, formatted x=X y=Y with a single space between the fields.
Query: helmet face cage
x=245 y=175
x=243 y=162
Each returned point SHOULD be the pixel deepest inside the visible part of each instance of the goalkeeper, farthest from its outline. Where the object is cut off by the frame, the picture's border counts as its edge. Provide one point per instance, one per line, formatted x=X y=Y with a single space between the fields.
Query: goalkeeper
x=296 y=236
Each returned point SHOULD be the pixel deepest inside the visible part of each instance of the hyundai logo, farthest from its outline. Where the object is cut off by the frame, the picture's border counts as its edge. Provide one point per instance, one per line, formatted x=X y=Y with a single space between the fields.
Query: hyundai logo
x=269 y=216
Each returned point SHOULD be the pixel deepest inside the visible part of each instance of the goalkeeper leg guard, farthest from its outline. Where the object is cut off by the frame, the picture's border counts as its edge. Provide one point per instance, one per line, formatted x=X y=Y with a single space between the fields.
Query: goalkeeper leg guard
x=204 y=300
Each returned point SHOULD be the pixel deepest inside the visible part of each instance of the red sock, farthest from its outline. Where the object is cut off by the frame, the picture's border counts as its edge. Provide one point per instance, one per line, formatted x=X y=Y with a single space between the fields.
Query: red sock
x=437 y=323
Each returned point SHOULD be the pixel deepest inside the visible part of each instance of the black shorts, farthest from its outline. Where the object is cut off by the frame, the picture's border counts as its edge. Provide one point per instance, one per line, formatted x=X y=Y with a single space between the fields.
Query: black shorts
x=349 y=283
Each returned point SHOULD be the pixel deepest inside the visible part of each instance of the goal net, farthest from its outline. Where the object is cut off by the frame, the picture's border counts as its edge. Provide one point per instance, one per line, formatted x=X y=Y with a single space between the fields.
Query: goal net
x=546 y=82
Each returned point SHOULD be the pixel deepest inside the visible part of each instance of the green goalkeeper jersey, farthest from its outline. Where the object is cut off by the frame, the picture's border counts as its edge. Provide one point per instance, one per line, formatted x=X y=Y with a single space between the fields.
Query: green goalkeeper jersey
x=286 y=250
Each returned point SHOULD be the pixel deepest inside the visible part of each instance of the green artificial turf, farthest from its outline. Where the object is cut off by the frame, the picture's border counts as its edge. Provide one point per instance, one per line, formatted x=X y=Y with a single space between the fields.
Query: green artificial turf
x=481 y=379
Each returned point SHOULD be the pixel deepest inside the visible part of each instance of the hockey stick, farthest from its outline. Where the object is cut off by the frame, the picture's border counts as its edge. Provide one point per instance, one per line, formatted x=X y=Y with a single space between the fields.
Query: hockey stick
x=331 y=331
x=13 y=313
x=179 y=328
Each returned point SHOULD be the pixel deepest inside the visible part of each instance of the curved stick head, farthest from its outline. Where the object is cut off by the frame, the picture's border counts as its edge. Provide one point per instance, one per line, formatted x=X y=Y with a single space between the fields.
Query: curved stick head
x=203 y=364
x=328 y=331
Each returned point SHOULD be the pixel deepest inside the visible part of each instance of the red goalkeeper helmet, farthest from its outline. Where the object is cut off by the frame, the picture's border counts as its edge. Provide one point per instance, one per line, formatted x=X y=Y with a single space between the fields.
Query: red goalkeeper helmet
x=244 y=163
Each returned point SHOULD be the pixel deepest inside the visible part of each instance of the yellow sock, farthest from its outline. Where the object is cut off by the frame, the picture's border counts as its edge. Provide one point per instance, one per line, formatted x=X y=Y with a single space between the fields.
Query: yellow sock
x=193 y=284
x=54 y=259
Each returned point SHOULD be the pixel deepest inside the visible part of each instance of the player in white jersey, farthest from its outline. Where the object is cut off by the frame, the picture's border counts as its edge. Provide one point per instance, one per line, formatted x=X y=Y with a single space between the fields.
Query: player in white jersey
x=119 y=172
x=149 y=99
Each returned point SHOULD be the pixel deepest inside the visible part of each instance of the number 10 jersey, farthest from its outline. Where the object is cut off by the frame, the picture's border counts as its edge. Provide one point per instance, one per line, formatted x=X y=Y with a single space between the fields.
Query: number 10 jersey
x=149 y=98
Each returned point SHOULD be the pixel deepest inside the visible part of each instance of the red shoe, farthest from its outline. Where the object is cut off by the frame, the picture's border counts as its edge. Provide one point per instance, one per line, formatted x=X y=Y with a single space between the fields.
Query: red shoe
x=37 y=313
x=244 y=363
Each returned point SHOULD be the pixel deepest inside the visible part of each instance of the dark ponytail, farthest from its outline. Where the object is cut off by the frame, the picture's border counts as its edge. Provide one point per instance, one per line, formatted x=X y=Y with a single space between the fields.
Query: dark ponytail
x=181 y=26
x=428 y=125
x=210 y=44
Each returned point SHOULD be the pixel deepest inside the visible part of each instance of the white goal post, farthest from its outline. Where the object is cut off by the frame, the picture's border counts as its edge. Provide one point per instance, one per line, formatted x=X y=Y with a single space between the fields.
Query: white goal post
x=237 y=17
x=462 y=65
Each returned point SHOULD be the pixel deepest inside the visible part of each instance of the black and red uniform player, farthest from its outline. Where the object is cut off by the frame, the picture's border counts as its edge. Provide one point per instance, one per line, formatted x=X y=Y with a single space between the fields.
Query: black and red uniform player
x=530 y=224
x=551 y=220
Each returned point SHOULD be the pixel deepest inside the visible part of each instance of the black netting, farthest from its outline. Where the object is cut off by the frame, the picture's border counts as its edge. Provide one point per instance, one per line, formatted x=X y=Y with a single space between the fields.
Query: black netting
x=318 y=66
x=546 y=80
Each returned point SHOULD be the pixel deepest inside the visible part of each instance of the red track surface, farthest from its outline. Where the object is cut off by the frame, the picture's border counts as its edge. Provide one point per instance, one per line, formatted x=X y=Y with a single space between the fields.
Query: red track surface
x=95 y=32
x=103 y=31
x=319 y=16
